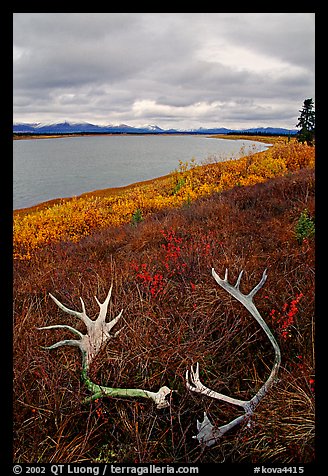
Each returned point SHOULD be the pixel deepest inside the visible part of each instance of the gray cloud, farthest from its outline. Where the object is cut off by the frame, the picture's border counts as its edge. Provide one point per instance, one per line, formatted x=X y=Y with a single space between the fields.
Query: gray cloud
x=173 y=69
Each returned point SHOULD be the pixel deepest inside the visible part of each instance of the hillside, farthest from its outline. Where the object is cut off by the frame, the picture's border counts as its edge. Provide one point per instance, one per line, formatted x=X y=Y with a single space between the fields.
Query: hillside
x=174 y=315
x=76 y=217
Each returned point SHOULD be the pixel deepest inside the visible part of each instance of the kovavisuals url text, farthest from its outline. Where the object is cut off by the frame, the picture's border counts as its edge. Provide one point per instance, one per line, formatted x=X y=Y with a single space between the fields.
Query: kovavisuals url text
x=58 y=469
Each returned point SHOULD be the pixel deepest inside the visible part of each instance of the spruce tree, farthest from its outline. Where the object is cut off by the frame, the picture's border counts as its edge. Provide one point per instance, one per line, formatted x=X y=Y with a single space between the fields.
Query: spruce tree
x=306 y=121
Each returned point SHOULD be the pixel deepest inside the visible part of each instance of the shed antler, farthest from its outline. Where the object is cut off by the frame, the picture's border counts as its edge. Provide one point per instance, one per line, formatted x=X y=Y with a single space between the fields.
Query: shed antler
x=207 y=433
x=99 y=332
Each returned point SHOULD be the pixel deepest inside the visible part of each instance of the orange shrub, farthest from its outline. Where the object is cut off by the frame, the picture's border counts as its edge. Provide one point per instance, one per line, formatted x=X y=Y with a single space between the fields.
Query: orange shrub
x=295 y=155
x=77 y=218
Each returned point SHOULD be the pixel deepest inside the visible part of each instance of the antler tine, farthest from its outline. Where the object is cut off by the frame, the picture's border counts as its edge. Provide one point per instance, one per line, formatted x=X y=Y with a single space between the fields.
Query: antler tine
x=238 y=279
x=112 y=323
x=259 y=285
x=195 y=385
x=81 y=315
x=104 y=306
x=68 y=342
x=62 y=326
x=234 y=290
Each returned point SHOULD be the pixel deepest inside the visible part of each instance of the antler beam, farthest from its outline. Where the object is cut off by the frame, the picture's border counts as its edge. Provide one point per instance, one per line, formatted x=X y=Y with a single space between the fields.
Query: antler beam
x=207 y=433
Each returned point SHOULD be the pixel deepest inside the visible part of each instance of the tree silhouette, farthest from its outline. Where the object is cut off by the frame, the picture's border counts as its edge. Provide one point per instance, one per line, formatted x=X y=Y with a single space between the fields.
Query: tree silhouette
x=306 y=121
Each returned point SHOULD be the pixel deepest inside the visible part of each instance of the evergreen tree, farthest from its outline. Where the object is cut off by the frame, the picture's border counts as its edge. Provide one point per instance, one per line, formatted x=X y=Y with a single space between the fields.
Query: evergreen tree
x=306 y=122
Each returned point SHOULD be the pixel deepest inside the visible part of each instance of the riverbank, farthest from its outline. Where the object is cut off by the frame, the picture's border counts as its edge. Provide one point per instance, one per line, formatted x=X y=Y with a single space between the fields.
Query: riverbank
x=77 y=217
x=106 y=192
x=119 y=190
x=263 y=138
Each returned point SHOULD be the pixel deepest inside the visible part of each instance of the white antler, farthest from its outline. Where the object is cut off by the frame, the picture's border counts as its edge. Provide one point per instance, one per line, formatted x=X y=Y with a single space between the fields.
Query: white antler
x=207 y=433
x=99 y=332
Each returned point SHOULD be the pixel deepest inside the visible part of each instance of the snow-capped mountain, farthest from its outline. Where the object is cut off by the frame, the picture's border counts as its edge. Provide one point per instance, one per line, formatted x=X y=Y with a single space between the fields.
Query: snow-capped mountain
x=85 y=127
x=151 y=128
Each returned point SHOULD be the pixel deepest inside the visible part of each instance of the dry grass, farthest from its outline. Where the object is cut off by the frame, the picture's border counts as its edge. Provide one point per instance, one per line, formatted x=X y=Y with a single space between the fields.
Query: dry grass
x=186 y=319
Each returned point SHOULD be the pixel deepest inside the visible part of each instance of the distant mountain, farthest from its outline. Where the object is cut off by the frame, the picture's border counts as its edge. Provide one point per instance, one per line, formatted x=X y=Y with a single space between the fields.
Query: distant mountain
x=85 y=127
x=269 y=130
x=213 y=130
x=152 y=128
x=28 y=128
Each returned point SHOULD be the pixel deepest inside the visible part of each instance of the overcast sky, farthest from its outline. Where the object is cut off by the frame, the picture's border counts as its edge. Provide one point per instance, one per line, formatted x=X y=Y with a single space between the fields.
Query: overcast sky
x=182 y=70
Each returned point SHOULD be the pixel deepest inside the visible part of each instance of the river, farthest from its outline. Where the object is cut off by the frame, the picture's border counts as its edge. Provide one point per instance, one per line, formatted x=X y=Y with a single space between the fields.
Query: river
x=44 y=169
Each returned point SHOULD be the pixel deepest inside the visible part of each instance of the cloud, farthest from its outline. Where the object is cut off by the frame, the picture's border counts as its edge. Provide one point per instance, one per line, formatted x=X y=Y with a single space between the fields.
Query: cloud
x=174 y=69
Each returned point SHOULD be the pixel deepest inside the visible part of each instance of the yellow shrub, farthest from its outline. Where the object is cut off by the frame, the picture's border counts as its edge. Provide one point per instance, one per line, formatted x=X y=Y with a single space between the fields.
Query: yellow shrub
x=74 y=219
x=267 y=167
x=251 y=180
x=296 y=155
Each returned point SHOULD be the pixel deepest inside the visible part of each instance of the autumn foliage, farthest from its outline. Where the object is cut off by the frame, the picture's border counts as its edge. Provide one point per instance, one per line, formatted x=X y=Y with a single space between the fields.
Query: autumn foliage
x=77 y=218
x=238 y=215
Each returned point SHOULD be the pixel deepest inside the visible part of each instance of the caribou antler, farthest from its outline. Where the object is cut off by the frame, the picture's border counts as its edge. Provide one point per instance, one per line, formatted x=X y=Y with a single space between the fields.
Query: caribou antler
x=207 y=433
x=99 y=332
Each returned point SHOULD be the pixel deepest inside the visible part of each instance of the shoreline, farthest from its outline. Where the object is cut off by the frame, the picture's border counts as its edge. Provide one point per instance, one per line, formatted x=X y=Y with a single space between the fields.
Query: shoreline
x=257 y=138
x=93 y=193
x=117 y=190
x=22 y=136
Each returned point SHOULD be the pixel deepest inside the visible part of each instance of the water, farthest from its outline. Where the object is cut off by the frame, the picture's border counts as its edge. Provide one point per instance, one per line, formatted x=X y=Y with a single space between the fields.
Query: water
x=44 y=169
